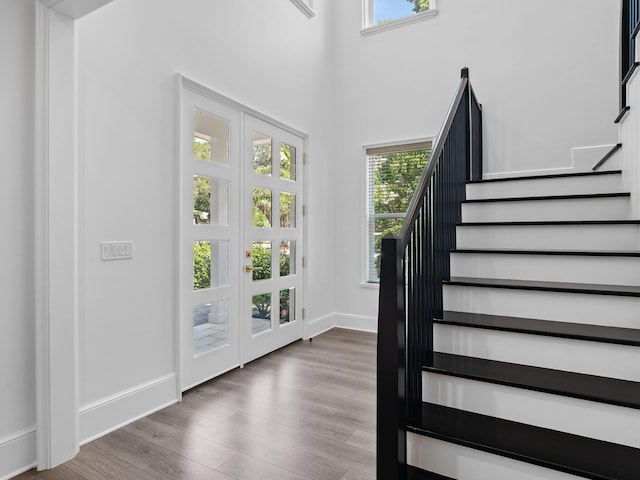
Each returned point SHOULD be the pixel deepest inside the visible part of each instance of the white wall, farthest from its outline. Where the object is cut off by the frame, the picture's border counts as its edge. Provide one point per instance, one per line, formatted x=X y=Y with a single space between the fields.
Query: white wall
x=17 y=353
x=630 y=151
x=276 y=61
x=544 y=91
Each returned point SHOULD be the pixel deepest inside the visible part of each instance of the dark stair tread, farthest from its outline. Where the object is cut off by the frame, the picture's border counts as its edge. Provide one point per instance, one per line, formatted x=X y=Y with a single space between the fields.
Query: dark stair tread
x=577 y=331
x=622 y=290
x=582 y=196
x=613 y=391
x=583 y=253
x=553 y=175
x=414 y=473
x=574 y=454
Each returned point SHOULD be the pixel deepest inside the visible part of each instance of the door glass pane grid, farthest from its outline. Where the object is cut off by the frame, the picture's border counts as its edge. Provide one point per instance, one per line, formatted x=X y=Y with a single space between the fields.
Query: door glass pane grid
x=210 y=264
x=262 y=154
x=261 y=313
x=210 y=326
x=210 y=201
x=210 y=137
x=287 y=305
x=288 y=160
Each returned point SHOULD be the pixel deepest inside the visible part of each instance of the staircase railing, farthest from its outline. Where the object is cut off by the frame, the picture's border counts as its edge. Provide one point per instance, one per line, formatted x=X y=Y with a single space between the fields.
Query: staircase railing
x=629 y=29
x=413 y=267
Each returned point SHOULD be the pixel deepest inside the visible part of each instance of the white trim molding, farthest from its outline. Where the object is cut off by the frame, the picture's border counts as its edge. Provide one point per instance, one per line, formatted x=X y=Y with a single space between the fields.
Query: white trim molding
x=368 y=30
x=17 y=453
x=356 y=322
x=115 y=411
x=306 y=6
x=56 y=262
x=319 y=325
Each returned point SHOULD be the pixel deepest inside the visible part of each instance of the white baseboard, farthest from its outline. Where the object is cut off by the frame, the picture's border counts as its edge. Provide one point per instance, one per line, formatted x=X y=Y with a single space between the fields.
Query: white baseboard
x=17 y=453
x=356 y=322
x=109 y=414
x=319 y=325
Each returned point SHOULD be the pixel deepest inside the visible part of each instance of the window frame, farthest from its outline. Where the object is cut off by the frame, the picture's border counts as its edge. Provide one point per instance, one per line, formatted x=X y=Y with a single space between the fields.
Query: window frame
x=306 y=6
x=368 y=28
x=369 y=206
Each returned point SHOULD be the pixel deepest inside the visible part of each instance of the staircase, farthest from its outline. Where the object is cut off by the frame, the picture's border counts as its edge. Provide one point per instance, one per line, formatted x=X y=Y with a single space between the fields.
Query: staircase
x=535 y=371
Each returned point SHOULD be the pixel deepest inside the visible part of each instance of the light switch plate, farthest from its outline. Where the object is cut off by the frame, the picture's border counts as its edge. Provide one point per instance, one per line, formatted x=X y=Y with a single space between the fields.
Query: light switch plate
x=116 y=250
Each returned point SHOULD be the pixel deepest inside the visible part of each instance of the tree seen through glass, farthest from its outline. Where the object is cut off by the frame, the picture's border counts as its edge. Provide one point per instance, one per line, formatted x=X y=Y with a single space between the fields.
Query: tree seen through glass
x=395 y=178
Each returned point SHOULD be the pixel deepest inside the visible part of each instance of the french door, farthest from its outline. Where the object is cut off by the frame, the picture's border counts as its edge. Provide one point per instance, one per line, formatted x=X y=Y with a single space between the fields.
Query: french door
x=241 y=237
x=273 y=229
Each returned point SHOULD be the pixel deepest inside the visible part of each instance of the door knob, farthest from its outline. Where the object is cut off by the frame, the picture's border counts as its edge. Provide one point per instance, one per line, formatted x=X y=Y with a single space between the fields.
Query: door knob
x=248 y=268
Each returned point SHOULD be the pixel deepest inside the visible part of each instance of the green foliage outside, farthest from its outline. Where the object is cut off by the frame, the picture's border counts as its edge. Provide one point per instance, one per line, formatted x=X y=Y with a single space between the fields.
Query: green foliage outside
x=263 y=197
x=201 y=199
x=419 y=5
x=396 y=176
x=261 y=271
x=201 y=265
x=201 y=149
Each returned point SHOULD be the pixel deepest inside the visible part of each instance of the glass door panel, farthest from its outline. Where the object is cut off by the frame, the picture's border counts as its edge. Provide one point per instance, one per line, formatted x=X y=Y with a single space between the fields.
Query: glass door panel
x=210 y=288
x=273 y=229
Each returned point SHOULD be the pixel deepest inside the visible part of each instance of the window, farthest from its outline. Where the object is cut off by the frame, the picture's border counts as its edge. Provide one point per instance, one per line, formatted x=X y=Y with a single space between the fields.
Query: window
x=393 y=173
x=382 y=15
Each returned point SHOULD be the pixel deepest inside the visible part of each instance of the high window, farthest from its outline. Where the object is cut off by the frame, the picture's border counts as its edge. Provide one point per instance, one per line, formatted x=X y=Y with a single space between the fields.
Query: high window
x=393 y=173
x=379 y=12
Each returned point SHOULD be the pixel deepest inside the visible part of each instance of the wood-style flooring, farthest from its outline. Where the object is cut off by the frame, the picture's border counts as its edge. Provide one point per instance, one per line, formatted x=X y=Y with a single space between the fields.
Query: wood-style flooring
x=305 y=412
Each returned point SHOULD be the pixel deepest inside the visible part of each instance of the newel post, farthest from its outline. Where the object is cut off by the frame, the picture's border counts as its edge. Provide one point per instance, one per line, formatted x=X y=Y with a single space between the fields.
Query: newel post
x=391 y=405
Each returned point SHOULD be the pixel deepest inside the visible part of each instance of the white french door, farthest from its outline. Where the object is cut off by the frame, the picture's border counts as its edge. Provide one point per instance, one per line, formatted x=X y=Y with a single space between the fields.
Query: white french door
x=273 y=233
x=210 y=230
x=241 y=237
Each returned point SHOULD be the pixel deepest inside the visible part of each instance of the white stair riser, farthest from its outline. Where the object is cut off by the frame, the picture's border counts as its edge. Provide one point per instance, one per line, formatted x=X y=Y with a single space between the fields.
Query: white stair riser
x=609 y=423
x=464 y=463
x=592 y=358
x=609 y=208
x=549 y=237
x=559 y=306
x=551 y=268
x=545 y=186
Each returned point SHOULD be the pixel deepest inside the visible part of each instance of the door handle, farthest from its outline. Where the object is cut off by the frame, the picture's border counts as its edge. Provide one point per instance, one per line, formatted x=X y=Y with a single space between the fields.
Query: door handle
x=248 y=268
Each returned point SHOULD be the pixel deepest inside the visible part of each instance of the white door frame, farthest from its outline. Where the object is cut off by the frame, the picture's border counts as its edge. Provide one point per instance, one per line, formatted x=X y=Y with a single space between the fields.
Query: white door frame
x=184 y=82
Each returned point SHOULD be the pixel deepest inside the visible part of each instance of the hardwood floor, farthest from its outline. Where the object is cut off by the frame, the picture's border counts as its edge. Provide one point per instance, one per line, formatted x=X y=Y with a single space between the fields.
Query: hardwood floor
x=305 y=412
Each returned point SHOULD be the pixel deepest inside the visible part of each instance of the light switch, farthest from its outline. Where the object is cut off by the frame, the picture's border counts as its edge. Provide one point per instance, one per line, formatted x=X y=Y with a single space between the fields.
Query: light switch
x=116 y=250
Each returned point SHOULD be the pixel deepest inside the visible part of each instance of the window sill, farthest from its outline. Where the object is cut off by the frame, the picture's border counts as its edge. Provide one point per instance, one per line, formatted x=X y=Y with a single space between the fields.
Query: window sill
x=370 y=285
x=304 y=6
x=399 y=23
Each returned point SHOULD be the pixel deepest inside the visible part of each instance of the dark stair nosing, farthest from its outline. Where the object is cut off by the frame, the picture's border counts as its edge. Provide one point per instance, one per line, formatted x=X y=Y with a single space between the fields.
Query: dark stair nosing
x=576 y=331
x=623 y=393
x=584 y=196
x=547 y=176
x=571 y=253
x=549 y=223
x=574 y=454
x=415 y=473
x=565 y=287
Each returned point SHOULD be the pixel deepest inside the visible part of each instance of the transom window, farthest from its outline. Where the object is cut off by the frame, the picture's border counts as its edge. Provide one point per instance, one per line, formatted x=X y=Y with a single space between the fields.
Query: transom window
x=378 y=12
x=393 y=173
